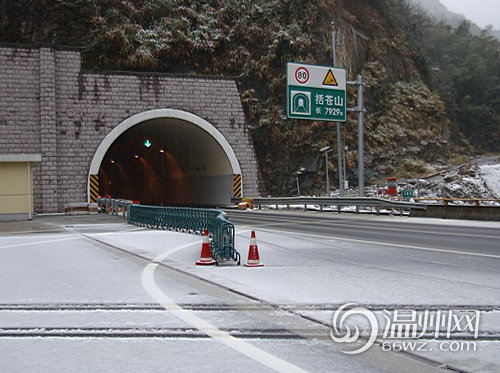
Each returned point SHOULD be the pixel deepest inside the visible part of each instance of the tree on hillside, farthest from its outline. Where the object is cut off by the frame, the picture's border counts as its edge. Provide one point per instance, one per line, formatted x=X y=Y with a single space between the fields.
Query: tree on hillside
x=467 y=75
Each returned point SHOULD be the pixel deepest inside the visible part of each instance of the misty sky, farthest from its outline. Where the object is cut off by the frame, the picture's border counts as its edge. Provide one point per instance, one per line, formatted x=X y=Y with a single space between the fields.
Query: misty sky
x=481 y=12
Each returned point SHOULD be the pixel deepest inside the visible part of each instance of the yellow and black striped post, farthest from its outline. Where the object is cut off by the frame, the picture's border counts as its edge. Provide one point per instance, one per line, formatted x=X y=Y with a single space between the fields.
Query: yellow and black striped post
x=237 y=186
x=94 y=188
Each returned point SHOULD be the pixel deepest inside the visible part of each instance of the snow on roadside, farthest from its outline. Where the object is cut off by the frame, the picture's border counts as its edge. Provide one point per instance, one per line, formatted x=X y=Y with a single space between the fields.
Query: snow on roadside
x=478 y=179
x=491 y=175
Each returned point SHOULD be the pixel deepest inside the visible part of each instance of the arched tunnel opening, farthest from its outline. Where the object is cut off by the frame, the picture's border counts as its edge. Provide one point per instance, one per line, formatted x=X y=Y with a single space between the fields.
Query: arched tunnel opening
x=167 y=161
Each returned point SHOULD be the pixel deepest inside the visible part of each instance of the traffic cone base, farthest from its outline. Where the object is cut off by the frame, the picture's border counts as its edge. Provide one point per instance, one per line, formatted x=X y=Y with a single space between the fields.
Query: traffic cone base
x=253 y=253
x=248 y=264
x=206 y=254
x=205 y=262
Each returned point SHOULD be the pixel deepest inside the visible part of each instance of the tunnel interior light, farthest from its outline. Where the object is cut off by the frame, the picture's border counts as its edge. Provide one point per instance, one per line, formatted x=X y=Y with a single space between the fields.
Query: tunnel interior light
x=112 y=161
x=162 y=151
x=147 y=143
x=136 y=156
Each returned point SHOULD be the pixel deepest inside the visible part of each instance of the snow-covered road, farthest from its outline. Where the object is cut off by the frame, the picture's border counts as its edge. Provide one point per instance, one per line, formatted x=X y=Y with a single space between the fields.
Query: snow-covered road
x=78 y=295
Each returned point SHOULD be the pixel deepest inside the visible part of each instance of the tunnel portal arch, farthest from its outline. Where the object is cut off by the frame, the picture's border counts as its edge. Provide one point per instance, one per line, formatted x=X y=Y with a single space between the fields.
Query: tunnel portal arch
x=197 y=165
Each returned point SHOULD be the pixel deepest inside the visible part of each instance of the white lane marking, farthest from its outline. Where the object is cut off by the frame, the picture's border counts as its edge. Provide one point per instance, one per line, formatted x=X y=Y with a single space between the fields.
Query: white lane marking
x=243 y=231
x=28 y=232
x=72 y=236
x=188 y=316
x=38 y=242
x=106 y=233
x=61 y=229
x=383 y=243
x=93 y=225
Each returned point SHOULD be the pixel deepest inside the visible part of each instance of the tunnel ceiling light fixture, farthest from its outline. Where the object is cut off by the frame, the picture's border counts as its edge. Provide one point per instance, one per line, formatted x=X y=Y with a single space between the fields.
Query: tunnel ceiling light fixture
x=112 y=161
x=136 y=156
x=162 y=151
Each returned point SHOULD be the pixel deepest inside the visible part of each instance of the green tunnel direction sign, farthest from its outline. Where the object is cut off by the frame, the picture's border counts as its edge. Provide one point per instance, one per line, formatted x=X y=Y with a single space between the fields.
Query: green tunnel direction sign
x=316 y=92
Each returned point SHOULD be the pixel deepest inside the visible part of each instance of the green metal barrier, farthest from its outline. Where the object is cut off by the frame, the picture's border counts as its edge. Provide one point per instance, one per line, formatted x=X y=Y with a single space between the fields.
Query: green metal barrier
x=190 y=220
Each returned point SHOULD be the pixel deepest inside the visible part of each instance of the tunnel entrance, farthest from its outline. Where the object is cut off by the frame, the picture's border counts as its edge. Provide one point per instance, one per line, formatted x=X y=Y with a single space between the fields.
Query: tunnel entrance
x=167 y=161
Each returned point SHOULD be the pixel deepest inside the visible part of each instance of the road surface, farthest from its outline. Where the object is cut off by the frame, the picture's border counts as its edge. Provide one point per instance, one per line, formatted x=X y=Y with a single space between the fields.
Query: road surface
x=96 y=294
x=452 y=236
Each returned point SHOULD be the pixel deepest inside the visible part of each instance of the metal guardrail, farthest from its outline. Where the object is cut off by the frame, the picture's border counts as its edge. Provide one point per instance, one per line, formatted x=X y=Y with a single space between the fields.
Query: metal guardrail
x=335 y=201
x=182 y=219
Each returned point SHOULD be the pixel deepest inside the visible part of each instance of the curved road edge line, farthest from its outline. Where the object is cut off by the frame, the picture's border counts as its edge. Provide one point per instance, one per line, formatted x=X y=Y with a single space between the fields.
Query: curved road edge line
x=188 y=316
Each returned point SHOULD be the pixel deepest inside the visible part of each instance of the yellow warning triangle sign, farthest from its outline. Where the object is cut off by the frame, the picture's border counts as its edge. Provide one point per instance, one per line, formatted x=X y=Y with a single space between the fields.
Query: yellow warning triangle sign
x=330 y=79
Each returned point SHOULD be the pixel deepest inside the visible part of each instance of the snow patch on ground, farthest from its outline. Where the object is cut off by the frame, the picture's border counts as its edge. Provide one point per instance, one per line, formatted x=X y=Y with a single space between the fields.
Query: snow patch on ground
x=478 y=179
x=491 y=176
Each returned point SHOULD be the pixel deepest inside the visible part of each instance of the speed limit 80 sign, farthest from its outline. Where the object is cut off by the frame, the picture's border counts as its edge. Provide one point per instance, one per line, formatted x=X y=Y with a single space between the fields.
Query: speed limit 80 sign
x=316 y=92
x=302 y=75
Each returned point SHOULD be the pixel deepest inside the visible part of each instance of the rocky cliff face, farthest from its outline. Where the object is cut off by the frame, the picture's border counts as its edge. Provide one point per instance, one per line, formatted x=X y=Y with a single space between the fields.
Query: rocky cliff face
x=406 y=124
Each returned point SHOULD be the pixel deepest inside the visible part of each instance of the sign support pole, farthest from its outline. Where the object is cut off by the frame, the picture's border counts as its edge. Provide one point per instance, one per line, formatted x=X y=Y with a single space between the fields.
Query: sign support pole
x=339 y=156
x=339 y=132
x=361 y=156
x=327 y=178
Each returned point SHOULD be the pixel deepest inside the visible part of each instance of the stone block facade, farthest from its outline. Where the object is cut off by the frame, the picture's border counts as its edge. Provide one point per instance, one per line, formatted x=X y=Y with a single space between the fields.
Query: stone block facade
x=50 y=106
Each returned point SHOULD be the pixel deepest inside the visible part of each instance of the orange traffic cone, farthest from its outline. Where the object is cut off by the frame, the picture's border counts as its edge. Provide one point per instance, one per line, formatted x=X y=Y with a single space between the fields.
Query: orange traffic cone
x=206 y=254
x=253 y=253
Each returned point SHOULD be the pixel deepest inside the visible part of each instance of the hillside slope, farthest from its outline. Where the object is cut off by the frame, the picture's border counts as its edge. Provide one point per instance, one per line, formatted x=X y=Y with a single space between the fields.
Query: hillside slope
x=406 y=123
